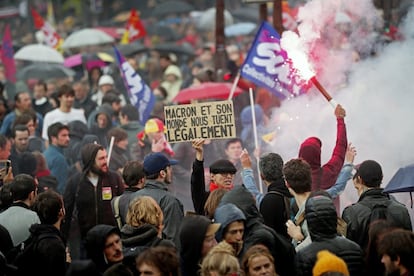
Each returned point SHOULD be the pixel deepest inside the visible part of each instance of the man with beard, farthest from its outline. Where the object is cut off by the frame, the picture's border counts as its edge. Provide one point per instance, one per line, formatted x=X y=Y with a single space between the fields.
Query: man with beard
x=158 y=172
x=91 y=191
x=397 y=252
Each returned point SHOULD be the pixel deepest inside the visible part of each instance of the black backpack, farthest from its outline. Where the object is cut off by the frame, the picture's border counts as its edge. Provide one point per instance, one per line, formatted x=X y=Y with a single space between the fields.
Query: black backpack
x=24 y=255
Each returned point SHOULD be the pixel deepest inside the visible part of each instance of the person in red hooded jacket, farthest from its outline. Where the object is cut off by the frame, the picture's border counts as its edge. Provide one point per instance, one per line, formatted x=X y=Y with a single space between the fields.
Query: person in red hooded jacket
x=324 y=177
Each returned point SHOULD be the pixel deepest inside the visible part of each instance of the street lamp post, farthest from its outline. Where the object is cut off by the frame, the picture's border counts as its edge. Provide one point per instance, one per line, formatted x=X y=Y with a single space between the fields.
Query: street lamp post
x=220 y=55
x=277 y=16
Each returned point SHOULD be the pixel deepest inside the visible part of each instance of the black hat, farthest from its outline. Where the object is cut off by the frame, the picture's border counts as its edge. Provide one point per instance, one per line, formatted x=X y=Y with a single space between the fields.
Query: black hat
x=223 y=166
x=370 y=172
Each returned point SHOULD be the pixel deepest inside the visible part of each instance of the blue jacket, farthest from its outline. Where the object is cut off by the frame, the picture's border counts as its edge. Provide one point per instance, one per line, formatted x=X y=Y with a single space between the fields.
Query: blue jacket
x=6 y=126
x=57 y=165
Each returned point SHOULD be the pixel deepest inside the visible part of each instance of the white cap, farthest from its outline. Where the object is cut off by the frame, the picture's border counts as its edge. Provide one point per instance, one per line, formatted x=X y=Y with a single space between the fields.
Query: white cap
x=105 y=79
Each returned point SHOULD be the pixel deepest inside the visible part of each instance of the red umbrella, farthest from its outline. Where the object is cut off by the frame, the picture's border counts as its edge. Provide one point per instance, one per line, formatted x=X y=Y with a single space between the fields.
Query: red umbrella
x=206 y=90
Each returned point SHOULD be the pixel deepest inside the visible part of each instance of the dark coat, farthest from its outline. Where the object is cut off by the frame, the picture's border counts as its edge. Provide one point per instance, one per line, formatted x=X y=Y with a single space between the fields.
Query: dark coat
x=357 y=216
x=136 y=239
x=199 y=194
x=273 y=208
x=320 y=214
x=119 y=157
x=92 y=205
x=95 y=244
x=256 y=232
x=192 y=233
x=50 y=251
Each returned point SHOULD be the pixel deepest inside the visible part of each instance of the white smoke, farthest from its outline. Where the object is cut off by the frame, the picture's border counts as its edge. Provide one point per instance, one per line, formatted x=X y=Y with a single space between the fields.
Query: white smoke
x=376 y=92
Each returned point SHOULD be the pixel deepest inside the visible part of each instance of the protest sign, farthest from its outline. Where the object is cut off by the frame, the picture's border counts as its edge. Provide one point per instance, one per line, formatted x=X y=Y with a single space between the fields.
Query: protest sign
x=209 y=120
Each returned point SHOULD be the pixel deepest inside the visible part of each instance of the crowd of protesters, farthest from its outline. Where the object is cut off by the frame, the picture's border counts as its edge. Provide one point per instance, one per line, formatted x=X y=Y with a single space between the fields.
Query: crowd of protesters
x=89 y=189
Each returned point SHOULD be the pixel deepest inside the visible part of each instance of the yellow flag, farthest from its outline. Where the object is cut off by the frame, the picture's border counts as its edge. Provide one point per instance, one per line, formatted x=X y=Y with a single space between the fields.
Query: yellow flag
x=269 y=137
x=125 y=37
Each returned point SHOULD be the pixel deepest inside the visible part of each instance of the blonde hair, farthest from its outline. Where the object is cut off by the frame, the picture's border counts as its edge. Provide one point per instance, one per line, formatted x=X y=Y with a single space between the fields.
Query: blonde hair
x=144 y=210
x=220 y=260
x=253 y=252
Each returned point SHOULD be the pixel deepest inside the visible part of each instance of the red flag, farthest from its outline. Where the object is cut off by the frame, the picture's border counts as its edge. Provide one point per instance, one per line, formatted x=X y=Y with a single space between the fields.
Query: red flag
x=134 y=29
x=37 y=19
x=7 y=55
x=52 y=38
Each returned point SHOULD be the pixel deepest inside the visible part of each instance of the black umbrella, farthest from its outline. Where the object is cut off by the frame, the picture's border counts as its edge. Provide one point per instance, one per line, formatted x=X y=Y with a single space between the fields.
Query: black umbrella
x=246 y=14
x=163 y=31
x=402 y=182
x=183 y=49
x=170 y=7
x=44 y=71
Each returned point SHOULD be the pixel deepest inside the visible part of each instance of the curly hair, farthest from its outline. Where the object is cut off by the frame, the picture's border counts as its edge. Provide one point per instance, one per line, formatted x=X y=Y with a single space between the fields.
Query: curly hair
x=162 y=257
x=144 y=210
x=298 y=175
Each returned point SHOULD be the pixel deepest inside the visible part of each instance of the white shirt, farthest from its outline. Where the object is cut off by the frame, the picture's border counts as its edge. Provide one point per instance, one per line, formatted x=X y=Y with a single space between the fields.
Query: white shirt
x=56 y=115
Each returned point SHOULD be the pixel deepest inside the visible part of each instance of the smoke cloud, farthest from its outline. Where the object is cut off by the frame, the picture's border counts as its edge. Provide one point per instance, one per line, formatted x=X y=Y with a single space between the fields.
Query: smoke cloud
x=377 y=92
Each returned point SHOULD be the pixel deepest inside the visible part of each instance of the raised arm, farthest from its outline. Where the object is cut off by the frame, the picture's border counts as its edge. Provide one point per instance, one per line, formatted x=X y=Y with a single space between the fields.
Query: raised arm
x=345 y=174
x=248 y=177
x=198 y=191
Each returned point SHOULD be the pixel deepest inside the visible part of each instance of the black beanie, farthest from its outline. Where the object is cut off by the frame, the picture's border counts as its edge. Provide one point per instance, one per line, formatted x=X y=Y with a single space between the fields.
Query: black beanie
x=222 y=166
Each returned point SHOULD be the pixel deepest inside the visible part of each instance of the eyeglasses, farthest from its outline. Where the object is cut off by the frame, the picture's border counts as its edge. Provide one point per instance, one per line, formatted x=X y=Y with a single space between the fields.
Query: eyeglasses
x=226 y=174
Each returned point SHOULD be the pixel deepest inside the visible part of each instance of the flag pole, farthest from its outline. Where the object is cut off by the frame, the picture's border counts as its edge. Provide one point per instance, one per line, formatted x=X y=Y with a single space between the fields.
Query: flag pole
x=256 y=141
x=111 y=146
x=234 y=86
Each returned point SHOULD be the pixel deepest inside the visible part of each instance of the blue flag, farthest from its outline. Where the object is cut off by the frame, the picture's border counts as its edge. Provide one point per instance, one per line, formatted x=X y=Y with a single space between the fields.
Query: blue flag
x=267 y=65
x=139 y=92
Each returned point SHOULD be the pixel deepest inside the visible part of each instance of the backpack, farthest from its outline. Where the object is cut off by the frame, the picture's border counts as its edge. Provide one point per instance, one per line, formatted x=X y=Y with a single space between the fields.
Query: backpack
x=24 y=255
x=379 y=211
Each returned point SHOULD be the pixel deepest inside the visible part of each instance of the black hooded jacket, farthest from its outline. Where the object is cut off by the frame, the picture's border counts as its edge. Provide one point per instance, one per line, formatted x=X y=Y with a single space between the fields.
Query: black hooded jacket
x=321 y=217
x=273 y=207
x=50 y=252
x=256 y=232
x=136 y=239
x=192 y=234
x=93 y=204
x=95 y=244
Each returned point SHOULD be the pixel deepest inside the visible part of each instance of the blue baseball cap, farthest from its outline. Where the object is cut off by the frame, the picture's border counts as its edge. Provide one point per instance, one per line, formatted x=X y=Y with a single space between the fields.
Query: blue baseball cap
x=155 y=162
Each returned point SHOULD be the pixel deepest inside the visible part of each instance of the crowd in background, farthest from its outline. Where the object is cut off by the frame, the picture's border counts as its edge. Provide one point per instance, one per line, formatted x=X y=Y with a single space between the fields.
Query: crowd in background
x=95 y=190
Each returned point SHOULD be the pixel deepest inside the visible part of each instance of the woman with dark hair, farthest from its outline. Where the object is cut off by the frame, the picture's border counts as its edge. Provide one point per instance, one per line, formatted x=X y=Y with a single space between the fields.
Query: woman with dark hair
x=93 y=76
x=376 y=231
